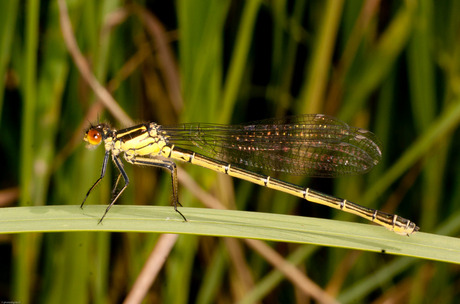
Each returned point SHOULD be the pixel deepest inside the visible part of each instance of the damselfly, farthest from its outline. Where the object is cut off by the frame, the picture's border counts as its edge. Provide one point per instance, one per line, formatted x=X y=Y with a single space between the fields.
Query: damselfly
x=313 y=145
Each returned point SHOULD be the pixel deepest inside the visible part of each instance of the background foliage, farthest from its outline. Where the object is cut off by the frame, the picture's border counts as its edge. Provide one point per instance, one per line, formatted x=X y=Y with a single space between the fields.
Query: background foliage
x=391 y=67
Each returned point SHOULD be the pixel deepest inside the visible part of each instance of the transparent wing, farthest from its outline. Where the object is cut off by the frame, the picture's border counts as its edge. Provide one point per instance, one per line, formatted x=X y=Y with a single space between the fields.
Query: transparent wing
x=313 y=144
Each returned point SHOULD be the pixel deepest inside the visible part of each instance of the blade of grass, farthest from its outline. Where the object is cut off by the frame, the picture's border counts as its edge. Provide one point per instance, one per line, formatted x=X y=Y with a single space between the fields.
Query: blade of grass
x=375 y=67
x=364 y=286
x=239 y=60
x=312 y=96
x=440 y=128
x=201 y=51
x=230 y=223
x=423 y=101
x=8 y=14
x=266 y=284
x=27 y=245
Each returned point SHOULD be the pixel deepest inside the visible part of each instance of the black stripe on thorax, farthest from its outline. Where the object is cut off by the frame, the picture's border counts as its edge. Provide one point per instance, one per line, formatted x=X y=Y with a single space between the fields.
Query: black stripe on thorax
x=132 y=132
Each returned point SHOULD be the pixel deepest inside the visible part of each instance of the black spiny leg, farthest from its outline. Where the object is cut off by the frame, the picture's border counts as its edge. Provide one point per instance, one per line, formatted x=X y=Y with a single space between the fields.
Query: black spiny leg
x=119 y=165
x=114 y=190
x=104 y=167
x=171 y=167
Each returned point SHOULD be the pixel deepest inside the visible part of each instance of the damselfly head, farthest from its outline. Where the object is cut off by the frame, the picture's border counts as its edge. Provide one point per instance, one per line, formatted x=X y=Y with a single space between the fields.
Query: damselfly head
x=95 y=134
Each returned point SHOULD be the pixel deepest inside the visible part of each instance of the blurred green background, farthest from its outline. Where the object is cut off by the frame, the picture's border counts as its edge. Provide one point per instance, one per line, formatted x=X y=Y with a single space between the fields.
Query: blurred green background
x=392 y=67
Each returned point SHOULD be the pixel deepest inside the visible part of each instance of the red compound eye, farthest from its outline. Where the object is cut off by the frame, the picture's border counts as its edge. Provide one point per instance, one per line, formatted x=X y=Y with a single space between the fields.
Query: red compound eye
x=93 y=136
